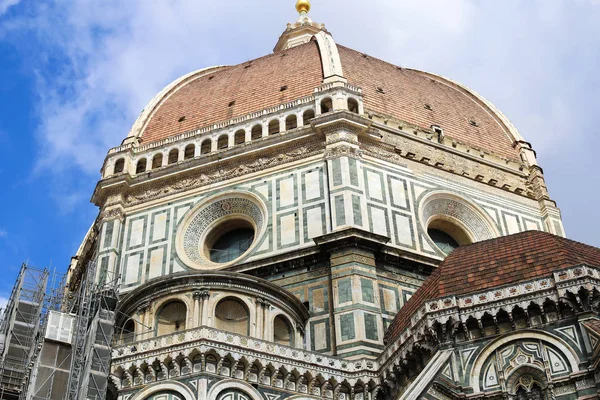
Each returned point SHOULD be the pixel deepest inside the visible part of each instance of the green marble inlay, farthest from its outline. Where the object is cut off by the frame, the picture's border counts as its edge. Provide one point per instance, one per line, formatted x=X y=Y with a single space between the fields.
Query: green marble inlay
x=109 y=234
x=336 y=166
x=367 y=290
x=353 y=172
x=340 y=213
x=344 y=290
x=356 y=210
x=347 y=326
x=371 y=327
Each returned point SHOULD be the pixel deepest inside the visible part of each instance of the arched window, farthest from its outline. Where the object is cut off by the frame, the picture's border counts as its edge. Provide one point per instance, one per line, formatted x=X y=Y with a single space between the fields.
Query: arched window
x=326 y=105
x=206 y=147
x=171 y=318
x=240 y=136
x=223 y=142
x=141 y=166
x=189 y=152
x=352 y=105
x=119 y=165
x=256 y=132
x=157 y=161
x=446 y=235
x=173 y=156
x=232 y=315
x=307 y=116
x=282 y=331
x=274 y=127
x=291 y=122
x=128 y=332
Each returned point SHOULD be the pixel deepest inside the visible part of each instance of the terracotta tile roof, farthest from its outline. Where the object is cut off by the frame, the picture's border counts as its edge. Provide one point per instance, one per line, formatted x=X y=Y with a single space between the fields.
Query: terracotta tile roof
x=206 y=100
x=491 y=263
x=406 y=92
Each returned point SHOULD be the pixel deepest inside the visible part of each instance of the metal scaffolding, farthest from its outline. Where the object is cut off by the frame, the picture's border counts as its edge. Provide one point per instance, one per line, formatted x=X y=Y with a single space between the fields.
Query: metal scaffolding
x=20 y=329
x=56 y=347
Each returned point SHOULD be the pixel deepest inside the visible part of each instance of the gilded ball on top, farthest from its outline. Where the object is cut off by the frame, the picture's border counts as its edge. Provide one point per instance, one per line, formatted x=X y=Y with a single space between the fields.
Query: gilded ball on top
x=303 y=6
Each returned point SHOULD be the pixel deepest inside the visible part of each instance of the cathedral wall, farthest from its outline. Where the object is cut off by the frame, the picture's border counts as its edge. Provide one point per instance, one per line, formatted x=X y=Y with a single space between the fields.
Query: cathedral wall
x=312 y=200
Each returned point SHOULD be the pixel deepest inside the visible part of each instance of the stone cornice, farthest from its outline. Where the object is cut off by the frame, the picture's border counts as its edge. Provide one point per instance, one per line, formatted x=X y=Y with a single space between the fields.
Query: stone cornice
x=146 y=351
x=460 y=308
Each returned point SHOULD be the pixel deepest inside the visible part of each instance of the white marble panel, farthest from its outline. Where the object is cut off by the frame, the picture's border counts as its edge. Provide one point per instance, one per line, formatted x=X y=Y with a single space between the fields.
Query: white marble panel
x=314 y=222
x=286 y=192
x=159 y=230
x=375 y=189
x=313 y=185
x=288 y=229
x=404 y=231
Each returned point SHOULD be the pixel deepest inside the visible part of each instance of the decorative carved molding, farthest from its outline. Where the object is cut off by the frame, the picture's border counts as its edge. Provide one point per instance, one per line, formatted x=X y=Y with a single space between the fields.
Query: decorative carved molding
x=224 y=172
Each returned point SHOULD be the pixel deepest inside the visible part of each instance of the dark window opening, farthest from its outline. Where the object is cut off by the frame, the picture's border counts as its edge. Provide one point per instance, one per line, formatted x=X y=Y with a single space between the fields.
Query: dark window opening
x=274 y=127
x=307 y=116
x=442 y=240
x=141 y=166
x=157 y=161
x=173 y=156
x=189 y=152
x=326 y=105
x=256 y=132
x=353 y=106
x=119 y=165
x=291 y=122
x=240 y=137
x=223 y=142
x=206 y=147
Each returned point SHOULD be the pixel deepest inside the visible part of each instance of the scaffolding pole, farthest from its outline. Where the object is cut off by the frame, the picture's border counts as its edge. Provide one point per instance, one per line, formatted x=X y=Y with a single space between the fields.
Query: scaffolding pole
x=20 y=330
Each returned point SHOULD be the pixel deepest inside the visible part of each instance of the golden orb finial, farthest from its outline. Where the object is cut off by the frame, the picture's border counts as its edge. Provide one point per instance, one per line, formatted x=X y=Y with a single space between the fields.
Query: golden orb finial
x=303 y=6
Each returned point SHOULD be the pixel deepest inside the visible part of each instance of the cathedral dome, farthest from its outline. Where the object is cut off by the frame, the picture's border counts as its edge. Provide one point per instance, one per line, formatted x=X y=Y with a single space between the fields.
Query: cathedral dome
x=218 y=95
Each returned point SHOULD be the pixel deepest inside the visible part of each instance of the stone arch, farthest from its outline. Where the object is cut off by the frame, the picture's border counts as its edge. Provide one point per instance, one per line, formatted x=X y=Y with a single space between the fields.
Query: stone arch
x=512 y=380
x=457 y=216
x=236 y=307
x=279 y=322
x=160 y=307
x=165 y=386
x=229 y=384
x=210 y=219
x=567 y=351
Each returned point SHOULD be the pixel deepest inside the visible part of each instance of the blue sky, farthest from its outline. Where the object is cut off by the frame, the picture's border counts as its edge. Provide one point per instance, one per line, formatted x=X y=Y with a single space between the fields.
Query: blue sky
x=75 y=74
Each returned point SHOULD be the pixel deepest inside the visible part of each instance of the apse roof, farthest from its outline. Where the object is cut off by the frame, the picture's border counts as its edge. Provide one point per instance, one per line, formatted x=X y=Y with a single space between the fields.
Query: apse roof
x=494 y=263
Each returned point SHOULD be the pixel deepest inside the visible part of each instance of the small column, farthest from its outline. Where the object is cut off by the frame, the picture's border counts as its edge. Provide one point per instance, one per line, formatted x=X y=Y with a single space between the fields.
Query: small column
x=259 y=319
x=197 y=310
x=205 y=295
x=266 y=331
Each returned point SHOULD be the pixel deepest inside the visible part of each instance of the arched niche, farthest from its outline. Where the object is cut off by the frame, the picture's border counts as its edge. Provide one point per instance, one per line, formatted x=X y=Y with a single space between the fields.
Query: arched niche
x=555 y=348
x=171 y=317
x=232 y=315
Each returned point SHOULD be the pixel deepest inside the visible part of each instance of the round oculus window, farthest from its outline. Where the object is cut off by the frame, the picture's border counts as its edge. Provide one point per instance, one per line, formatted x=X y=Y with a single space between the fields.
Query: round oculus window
x=221 y=230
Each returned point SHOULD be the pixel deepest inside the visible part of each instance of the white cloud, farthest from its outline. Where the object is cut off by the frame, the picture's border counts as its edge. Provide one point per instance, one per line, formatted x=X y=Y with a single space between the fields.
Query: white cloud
x=3 y=302
x=3 y=233
x=535 y=60
x=6 y=4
